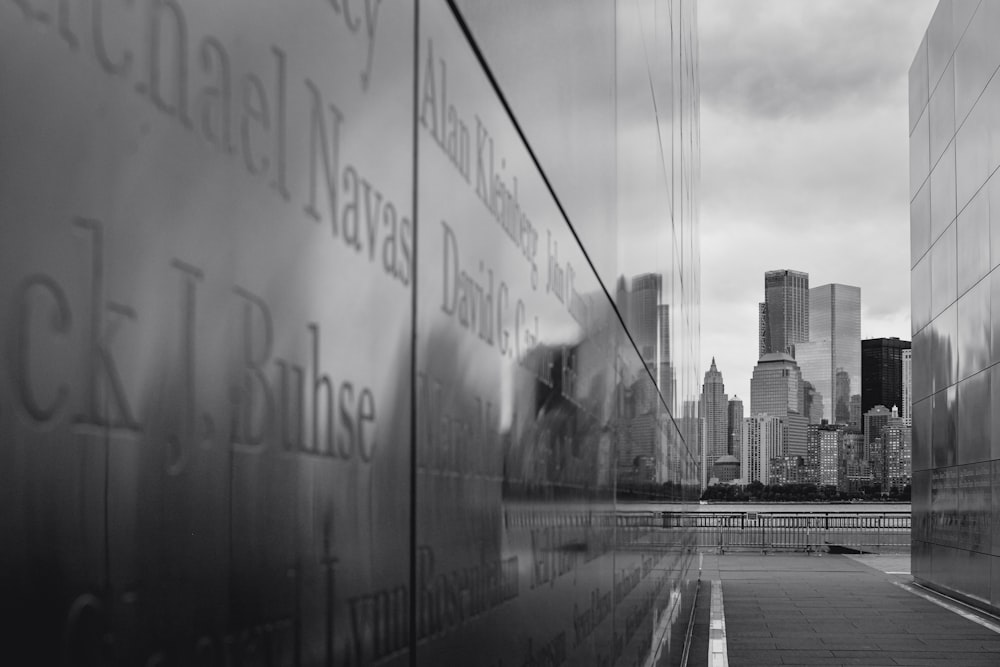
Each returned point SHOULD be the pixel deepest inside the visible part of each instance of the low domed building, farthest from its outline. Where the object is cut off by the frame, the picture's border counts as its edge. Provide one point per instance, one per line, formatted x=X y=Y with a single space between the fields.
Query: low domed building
x=726 y=469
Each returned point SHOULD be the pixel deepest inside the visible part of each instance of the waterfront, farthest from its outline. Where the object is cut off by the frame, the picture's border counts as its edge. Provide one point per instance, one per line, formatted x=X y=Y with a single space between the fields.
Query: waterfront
x=766 y=507
x=826 y=527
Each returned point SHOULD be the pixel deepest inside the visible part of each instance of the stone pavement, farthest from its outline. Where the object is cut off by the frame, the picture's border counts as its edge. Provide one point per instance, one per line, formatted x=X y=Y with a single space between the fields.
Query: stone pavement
x=826 y=609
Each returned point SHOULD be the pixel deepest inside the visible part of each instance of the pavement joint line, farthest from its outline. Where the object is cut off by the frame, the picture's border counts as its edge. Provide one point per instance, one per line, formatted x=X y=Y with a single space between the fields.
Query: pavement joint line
x=952 y=606
x=718 y=653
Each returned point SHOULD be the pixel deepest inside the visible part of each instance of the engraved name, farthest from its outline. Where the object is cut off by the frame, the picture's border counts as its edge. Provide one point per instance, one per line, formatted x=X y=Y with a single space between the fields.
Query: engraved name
x=248 y=116
x=298 y=404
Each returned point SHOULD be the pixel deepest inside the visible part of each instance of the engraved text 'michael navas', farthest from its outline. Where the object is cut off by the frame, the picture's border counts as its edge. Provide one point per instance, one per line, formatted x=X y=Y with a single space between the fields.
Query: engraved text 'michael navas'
x=245 y=115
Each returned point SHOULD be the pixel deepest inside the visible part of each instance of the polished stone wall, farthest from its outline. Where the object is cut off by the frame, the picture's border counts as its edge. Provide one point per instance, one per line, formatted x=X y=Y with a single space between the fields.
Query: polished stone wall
x=955 y=249
x=326 y=333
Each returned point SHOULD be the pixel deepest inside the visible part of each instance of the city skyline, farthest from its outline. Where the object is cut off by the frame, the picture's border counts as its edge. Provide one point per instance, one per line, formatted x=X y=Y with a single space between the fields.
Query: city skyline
x=790 y=174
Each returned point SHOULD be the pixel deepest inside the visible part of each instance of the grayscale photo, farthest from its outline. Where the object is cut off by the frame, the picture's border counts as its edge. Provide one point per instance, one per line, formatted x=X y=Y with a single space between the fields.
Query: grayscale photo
x=479 y=333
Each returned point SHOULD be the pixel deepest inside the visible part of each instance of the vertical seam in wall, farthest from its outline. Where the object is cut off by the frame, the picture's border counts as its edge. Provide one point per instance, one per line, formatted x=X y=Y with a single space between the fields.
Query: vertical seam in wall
x=617 y=407
x=413 y=349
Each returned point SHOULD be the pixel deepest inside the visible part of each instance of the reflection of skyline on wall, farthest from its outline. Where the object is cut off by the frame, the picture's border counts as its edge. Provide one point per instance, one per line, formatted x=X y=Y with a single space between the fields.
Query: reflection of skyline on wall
x=649 y=453
x=642 y=315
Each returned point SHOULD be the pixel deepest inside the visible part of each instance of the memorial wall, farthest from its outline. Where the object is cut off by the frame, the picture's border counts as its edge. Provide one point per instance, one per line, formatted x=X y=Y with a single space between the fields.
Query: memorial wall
x=348 y=333
x=955 y=289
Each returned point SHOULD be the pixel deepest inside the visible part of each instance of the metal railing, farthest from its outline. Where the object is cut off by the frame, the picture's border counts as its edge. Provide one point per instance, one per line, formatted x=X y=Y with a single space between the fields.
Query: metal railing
x=846 y=532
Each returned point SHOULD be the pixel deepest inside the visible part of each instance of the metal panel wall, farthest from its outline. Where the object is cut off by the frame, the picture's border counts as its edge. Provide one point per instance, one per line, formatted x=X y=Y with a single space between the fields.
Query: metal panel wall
x=316 y=348
x=954 y=153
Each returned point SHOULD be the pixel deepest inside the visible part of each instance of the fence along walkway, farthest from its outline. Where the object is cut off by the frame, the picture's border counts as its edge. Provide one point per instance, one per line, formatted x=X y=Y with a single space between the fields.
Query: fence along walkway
x=866 y=532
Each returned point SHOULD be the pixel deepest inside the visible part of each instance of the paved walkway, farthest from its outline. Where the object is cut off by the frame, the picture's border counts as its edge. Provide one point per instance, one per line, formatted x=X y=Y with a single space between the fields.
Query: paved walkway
x=833 y=610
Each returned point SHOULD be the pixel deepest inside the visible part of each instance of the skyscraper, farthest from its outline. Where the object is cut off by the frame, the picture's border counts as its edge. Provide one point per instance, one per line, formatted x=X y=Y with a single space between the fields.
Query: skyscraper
x=835 y=317
x=812 y=402
x=784 y=315
x=763 y=337
x=714 y=410
x=735 y=425
x=874 y=421
x=897 y=461
x=823 y=447
x=762 y=440
x=882 y=372
x=643 y=315
x=813 y=358
x=855 y=421
x=906 y=408
x=854 y=471
x=665 y=378
x=776 y=390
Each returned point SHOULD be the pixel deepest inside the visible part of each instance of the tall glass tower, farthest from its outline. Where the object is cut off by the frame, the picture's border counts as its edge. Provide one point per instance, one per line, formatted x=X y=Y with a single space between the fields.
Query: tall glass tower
x=835 y=316
x=784 y=315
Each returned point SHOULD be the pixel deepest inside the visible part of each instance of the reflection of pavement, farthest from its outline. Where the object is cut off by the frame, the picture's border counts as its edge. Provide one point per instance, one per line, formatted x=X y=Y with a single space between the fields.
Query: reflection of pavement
x=837 y=610
x=896 y=564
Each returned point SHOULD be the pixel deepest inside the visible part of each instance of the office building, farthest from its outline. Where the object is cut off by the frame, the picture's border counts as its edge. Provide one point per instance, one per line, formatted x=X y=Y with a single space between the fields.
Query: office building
x=823 y=453
x=835 y=328
x=897 y=463
x=666 y=380
x=874 y=421
x=644 y=315
x=763 y=439
x=784 y=315
x=882 y=372
x=307 y=355
x=855 y=412
x=906 y=408
x=791 y=470
x=715 y=412
x=813 y=358
x=763 y=335
x=812 y=403
x=875 y=455
x=854 y=473
x=735 y=414
x=954 y=249
x=776 y=390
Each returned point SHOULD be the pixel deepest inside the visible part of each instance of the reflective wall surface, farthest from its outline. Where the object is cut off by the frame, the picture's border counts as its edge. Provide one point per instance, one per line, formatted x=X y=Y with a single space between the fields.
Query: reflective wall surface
x=955 y=227
x=350 y=334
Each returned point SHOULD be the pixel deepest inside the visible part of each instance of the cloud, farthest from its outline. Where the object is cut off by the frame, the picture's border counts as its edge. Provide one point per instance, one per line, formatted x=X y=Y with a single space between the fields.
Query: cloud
x=804 y=142
x=792 y=59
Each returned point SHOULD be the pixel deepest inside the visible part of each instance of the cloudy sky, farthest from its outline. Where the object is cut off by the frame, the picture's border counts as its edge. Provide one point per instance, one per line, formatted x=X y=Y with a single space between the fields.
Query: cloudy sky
x=804 y=160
